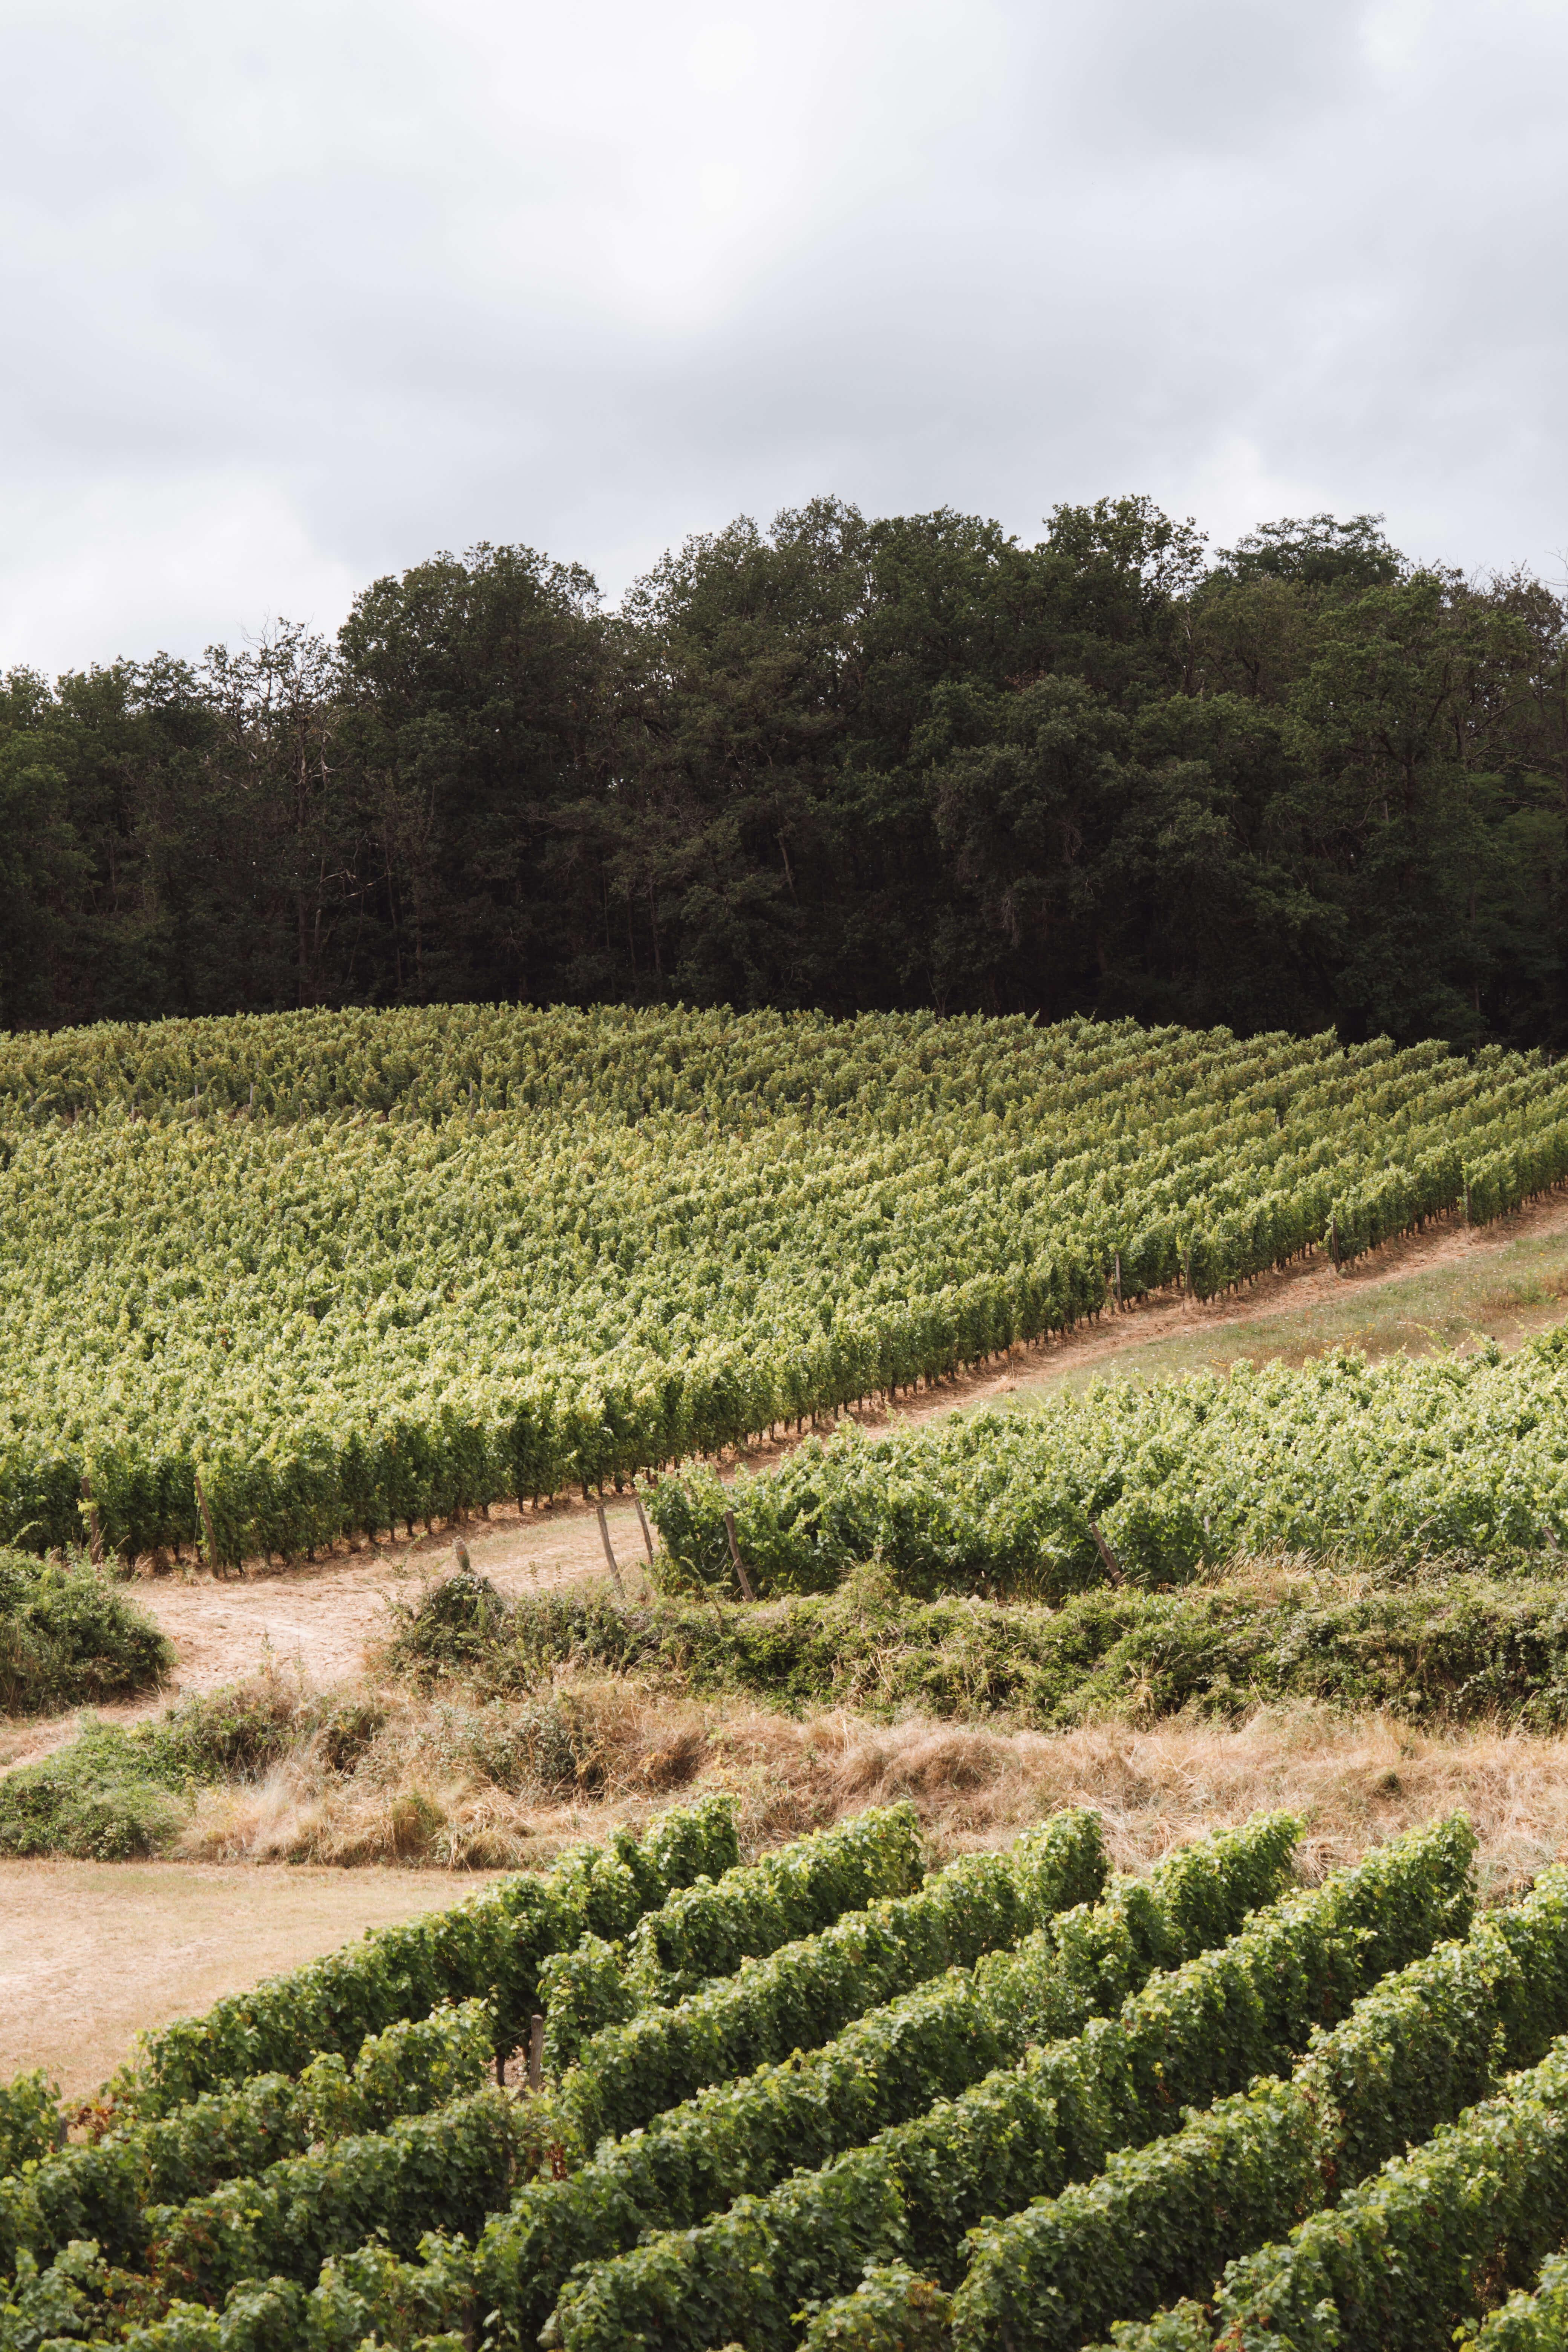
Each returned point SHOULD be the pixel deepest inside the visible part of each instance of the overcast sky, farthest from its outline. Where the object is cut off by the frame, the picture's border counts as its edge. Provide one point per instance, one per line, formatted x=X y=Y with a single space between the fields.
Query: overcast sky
x=297 y=293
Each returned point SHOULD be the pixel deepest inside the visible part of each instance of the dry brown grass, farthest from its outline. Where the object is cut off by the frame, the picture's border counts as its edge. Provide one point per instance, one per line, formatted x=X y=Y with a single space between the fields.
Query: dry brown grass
x=1354 y=1780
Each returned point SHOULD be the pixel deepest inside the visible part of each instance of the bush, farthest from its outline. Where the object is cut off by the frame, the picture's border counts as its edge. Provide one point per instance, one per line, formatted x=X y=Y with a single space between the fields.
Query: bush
x=1532 y=2321
x=1445 y=1645
x=31 y=2124
x=489 y=1946
x=101 y=1799
x=1425 y=2243
x=1161 y=2220
x=742 y=2135
x=102 y=2190
x=67 y=1638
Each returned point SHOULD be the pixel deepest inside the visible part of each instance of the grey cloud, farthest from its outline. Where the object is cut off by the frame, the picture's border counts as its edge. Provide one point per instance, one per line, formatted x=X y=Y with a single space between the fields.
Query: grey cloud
x=293 y=300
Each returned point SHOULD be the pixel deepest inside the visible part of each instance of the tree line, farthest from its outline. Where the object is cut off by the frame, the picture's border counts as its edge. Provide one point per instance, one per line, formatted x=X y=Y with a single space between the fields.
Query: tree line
x=847 y=762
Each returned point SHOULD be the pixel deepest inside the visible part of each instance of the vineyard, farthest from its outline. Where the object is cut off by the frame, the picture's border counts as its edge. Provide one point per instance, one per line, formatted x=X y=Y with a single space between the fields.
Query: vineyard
x=268 y=1284
x=1458 y=1456
x=830 y=2098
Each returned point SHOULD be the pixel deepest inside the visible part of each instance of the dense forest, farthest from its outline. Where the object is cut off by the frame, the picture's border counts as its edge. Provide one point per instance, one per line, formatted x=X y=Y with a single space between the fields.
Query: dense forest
x=845 y=763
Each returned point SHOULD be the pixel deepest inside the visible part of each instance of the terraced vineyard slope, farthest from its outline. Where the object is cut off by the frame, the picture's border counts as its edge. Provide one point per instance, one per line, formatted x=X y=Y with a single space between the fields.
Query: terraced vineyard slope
x=264 y=1283
x=1018 y=2103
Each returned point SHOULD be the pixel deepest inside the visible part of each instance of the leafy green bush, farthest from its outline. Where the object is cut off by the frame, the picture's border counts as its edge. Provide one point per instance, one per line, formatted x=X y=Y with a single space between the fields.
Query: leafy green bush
x=489 y=1946
x=101 y=2189
x=31 y=2124
x=69 y=1638
x=1403 y=1459
x=1531 y=2320
x=742 y=2135
x=102 y=1798
x=1445 y=1646
x=1424 y=2244
x=704 y=1933
x=797 y=1998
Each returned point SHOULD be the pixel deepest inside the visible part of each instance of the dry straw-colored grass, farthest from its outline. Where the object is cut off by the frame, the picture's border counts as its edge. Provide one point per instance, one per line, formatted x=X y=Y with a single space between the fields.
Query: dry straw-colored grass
x=1354 y=1780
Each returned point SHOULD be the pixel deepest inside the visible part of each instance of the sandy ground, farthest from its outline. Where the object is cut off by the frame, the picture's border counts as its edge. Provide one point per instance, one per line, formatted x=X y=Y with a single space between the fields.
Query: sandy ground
x=90 y=1952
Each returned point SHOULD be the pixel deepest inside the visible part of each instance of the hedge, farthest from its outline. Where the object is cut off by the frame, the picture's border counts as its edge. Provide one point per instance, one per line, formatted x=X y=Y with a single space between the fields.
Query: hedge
x=1161 y=2219
x=1531 y=2320
x=743 y=2136
x=489 y=1946
x=101 y=2190
x=1405 y=2256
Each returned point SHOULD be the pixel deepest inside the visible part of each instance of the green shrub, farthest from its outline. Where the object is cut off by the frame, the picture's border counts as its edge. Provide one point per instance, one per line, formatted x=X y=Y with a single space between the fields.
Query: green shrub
x=101 y=1799
x=31 y=2124
x=69 y=1638
x=742 y=2135
x=1426 y=2243
x=1445 y=1645
x=1160 y=2220
x=1531 y=2320
x=489 y=1946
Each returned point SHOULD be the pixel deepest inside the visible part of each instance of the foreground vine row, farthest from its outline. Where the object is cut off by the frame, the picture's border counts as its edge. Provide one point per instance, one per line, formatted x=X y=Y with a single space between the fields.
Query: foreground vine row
x=1016 y=2106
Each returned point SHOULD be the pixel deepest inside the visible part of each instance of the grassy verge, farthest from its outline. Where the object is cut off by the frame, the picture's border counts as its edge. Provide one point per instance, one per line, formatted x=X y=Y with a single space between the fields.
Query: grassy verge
x=115 y=1795
x=1442 y=1646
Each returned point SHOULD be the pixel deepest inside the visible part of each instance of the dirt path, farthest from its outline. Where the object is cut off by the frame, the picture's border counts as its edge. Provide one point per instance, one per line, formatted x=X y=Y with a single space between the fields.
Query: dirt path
x=90 y=1952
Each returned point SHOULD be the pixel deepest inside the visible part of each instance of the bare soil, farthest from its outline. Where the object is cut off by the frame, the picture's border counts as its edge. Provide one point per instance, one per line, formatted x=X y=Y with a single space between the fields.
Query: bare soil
x=92 y=1952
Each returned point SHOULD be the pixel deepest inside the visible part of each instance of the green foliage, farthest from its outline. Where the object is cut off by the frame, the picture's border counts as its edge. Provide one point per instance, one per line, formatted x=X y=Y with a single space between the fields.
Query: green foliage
x=1405 y=2256
x=1405 y=1459
x=1160 y=2221
x=489 y=1946
x=677 y=1230
x=707 y=1930
x=68 y=1638
x=891 y=2310
x=1531 y=2320
x=103 y=1798
x=31 y=2124
x=1026 y=2131
x=112 y=1793
x=1442 y=1645
x=446 y=2171
x=805 y=2101
x=800 y=1995
x=102 y=2189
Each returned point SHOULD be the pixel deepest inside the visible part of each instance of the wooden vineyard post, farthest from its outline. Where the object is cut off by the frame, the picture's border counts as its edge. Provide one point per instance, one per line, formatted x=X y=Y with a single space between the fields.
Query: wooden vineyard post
x=1113 y=1568
x=1466 y=1205
x=1334 y=1242
x=207 y=1523
x=536 y=2054
x=609 y=1551
x=642 y=1522
x=1117 y=1258
x=94 y=1532
x=735 y=1556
